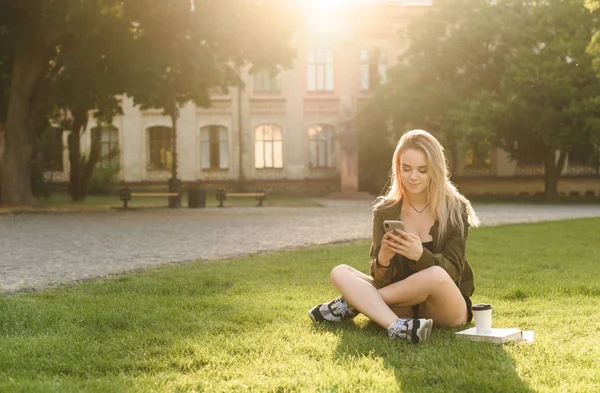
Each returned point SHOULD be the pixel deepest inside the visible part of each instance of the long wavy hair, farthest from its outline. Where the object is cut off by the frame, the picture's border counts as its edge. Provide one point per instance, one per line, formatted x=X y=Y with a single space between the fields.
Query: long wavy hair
x=445 y=202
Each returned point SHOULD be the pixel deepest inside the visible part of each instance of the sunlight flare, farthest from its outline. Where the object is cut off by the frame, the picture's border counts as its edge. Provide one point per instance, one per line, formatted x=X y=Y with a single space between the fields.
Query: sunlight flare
x=326 y=16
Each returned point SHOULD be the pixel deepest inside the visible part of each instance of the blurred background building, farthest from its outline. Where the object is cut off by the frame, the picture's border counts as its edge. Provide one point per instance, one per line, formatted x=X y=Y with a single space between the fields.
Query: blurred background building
x=292 y=131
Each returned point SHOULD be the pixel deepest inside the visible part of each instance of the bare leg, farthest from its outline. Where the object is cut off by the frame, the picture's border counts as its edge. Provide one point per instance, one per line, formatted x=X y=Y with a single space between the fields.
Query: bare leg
x=433 y=289
x=358 y=290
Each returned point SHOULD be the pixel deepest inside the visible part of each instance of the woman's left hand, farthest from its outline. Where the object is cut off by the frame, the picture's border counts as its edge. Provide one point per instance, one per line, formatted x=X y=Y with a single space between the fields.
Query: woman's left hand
x=408 y=244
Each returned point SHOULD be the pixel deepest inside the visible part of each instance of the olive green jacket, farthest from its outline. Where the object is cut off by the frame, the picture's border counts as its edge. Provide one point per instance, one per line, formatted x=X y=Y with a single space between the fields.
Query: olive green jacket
x=449 y=253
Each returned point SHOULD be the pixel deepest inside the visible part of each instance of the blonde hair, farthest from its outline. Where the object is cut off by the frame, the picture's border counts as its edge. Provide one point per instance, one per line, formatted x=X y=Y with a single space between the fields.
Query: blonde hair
x=446 y=203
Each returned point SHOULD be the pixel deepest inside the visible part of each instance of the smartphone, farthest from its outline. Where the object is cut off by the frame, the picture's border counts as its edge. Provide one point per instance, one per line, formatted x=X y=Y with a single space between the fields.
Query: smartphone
x=389 y=225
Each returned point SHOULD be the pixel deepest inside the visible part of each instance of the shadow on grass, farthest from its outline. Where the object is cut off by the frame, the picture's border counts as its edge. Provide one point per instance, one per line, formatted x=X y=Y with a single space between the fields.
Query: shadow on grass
x=443 y=364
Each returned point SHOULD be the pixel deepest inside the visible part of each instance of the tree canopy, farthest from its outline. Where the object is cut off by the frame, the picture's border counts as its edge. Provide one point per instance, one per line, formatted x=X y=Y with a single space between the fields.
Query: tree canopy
x=506 y=74
x=81 y=55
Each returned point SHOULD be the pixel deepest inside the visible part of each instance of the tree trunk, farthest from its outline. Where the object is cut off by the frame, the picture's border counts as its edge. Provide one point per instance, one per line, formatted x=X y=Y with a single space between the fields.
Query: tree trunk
x=30 y=61
x=76 y=188
x=90 y=165
x=552 y=171
x=1 y=144
x=174 y=146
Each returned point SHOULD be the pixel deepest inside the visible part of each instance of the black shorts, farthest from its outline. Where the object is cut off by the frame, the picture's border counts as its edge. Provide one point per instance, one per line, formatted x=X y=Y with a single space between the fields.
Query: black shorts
x=468 y=302
x=469 y=308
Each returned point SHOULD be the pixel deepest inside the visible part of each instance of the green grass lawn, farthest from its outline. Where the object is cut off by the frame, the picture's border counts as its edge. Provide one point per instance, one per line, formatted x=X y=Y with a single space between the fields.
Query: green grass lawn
x=241 y=325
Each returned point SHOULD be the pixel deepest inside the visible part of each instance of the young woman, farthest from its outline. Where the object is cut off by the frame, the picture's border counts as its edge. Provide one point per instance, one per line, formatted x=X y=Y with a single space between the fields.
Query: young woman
x=418 y=276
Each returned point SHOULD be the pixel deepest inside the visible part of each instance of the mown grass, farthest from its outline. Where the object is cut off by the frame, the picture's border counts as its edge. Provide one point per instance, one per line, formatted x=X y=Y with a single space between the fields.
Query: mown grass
x=240 y=325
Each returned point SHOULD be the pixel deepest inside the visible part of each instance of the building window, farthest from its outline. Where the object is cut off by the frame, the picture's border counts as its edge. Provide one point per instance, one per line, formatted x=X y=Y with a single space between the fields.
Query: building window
x=584 y=154
x=320 y=146
x=268 y=146
x=373 y=68
x=109 y=146
x=266 y=81
x=52 y=150
x=531 y=163
x=478 y=156
x=320 y=69
x=160 y=148
x=214 y=147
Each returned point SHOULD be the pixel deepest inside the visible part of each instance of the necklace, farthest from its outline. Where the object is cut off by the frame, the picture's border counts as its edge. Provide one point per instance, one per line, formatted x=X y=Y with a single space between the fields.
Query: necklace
x=419 y=211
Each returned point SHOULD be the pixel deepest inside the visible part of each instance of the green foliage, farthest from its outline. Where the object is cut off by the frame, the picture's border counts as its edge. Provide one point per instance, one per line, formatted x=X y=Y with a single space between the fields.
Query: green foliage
x=376 y=143
x=161 y=53
x=508 y=74
x=103 y=181
x=242 y=325
x=451 y=57
x=549 y=87
x=191 y=52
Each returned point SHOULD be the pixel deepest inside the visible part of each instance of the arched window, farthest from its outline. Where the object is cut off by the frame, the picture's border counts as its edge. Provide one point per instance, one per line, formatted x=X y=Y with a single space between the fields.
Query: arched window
x=160 y=149
x=268 y=146
x=109 y=145
x=320 y=146
x=373 y=68
x=320 y=69
x=214 y=150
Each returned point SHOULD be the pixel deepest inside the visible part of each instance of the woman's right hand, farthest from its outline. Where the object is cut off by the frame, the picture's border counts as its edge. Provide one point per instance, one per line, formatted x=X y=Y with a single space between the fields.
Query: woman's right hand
x=386 y=252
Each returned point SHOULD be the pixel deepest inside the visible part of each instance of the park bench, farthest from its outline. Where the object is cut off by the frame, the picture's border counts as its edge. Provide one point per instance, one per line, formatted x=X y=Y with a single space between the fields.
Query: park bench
x=126 y=194
x=222 y=195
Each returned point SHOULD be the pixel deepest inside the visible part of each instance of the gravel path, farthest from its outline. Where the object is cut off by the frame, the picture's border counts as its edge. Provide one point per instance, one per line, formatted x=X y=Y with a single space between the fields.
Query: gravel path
x=40 y=250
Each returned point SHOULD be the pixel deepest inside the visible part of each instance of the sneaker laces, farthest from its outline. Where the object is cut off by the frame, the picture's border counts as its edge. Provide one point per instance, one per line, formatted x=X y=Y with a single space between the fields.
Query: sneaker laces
x=399 y=329
x=342 y=307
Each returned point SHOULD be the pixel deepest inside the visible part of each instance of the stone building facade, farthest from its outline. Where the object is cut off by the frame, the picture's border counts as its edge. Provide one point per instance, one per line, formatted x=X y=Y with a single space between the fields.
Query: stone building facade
x=292 y=132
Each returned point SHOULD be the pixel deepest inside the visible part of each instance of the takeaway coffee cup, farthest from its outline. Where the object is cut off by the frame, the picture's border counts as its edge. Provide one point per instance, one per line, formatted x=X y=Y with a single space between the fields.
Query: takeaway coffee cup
x=482 y=313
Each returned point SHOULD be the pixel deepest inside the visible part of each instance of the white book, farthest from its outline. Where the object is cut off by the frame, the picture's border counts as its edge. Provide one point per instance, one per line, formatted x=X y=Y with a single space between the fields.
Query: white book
x=496 y=336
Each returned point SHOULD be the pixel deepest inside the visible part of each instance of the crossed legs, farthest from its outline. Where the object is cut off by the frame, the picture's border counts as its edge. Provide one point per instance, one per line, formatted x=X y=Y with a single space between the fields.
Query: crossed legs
x=432 y=288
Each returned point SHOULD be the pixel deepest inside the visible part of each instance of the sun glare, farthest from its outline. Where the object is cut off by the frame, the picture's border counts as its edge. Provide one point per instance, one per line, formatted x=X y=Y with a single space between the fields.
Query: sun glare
x=327 y=15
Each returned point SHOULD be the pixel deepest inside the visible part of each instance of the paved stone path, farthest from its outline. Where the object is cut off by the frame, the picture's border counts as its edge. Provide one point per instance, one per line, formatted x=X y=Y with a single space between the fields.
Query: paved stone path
x=38 y=250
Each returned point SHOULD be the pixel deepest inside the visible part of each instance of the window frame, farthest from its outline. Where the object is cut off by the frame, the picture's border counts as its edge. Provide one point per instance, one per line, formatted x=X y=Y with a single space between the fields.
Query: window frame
x=368 y=68
x=326 y=145
x=274 y=141
x=163 y=141
x=102 y=160
x=320 y=70
x=478 y=157
x=213 y=147
x=264 y=77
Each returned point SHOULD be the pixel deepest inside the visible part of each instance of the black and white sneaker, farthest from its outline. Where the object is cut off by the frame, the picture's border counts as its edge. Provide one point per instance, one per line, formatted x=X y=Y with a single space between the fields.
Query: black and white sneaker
x=336 y=310
x=412 y=330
